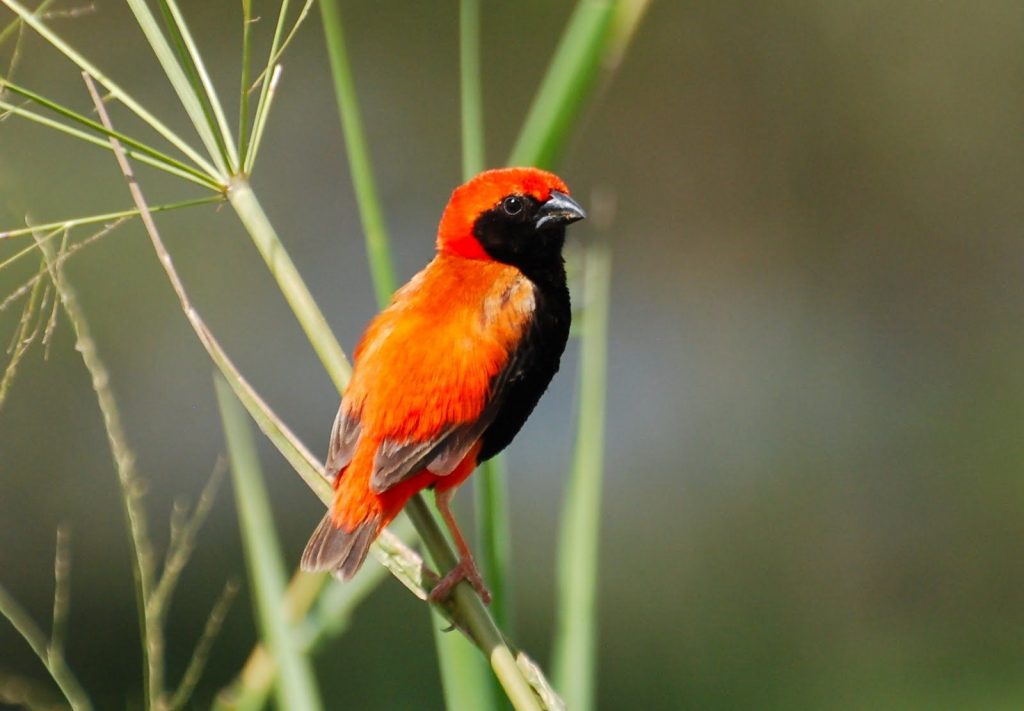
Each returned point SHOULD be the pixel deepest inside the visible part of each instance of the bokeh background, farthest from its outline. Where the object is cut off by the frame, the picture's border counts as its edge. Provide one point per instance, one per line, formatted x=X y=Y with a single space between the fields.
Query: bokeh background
x=814 y=450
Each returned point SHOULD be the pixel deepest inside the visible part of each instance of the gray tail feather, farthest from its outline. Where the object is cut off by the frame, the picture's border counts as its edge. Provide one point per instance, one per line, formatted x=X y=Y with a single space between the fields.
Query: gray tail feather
x=337 y=550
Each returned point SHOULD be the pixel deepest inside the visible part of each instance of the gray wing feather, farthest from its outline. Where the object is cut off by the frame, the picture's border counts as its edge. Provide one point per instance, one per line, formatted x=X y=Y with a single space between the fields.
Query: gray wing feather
x=344 y=435
x=453 y=449
x=396 y=461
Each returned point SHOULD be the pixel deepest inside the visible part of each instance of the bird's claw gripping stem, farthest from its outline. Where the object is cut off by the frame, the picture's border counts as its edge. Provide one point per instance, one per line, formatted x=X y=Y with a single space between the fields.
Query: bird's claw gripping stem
x=465 y=570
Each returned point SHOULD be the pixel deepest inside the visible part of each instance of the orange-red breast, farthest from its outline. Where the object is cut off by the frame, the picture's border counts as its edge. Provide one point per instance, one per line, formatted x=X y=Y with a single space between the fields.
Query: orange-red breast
x=447 y=374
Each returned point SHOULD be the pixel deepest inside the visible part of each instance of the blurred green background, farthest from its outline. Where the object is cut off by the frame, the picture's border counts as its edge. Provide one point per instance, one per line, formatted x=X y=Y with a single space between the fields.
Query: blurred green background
x=814 y=449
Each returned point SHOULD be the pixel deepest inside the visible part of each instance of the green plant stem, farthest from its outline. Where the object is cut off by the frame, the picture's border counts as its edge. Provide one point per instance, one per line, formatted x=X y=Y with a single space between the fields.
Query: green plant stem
x=54 y=663
x=377 y=241
x=296 y=686
x=28 y=329
x=491 y=490
x=188 y=93
x=575 y=638
x=140 y=151
x=115 y=91
x=205 y=92
x=94 y=219
x=403 y=563
x=294 y=289
x=243 y=93
x=320 y=611
x=14 y=25
x=566 y=84
x=265 y=90
x=201 y=654
x=469 y=612
x=128 y=477
x=495 y=537
x=472 y=93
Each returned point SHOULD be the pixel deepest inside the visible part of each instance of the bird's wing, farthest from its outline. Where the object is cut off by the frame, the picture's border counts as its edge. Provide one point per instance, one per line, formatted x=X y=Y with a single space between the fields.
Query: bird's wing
x=344 y=436
x=433 y=369
x=396 y=461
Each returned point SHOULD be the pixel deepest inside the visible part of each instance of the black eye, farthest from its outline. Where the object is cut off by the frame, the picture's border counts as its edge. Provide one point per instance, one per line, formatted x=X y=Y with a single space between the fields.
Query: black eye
x=512 y=205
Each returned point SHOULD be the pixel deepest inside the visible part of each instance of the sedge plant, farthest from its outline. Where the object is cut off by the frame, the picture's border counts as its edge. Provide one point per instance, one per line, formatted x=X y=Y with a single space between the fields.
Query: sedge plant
x=598 y=33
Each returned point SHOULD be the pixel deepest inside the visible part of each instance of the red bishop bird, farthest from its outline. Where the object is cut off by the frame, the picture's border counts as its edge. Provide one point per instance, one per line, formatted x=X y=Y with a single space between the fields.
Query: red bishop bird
x=447 y=374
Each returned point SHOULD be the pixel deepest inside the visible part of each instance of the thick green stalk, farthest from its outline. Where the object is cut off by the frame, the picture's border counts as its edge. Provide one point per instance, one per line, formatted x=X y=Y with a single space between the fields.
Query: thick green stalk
x=296 y=685
x=464 y=675
x=495 y=537
x=312 y=320
x=469 y=612
x=320 y=611
x=492 y=516
x=566 y=84
x=465 y=679
x=377 y=242
x=460 y=669
x=575 y=639
x=472 y=93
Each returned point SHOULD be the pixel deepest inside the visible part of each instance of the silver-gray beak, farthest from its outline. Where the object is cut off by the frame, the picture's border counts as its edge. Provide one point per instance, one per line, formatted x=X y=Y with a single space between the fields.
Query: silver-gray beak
x=560 y=209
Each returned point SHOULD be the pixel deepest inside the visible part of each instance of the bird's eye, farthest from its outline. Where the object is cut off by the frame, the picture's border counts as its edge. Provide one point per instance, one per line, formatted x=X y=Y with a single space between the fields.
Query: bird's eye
x=512 y=205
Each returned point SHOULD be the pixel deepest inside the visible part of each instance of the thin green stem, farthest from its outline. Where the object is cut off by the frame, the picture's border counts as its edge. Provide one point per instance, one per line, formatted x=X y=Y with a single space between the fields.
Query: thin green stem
x=15 y=24
x=282 y=44
x=88 y=138
x=260 y=120
x=403 y=563
x=202 y=86
x=243 y=93
x=575 y=639
x=201 y=655
x=294 y=289
x=94 y=219
x=128 y=476
x=469 y=612
x=377 y=242
x=141 y=151
x=265 y=89
x=61 y=592
x=115 y=91
x=54 y=664
x=472 y=93
x=27 y=330
x=187 y=92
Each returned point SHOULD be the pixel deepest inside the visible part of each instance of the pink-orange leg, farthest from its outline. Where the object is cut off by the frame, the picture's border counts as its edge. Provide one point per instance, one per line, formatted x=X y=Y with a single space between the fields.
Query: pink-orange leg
x=466 y=568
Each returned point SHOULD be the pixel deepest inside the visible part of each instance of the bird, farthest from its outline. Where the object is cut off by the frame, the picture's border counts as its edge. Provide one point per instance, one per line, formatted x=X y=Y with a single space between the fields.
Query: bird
x=445 y=376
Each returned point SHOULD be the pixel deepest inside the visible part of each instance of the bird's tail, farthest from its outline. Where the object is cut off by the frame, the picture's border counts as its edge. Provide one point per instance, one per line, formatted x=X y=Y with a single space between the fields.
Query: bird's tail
x=337 y=550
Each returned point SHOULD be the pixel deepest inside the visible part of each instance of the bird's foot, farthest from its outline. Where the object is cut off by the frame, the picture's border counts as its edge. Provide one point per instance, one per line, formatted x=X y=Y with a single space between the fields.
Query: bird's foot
x=465 y=570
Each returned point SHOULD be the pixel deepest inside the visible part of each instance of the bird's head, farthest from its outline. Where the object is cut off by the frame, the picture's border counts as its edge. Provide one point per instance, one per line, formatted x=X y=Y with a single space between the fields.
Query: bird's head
x=511 y=215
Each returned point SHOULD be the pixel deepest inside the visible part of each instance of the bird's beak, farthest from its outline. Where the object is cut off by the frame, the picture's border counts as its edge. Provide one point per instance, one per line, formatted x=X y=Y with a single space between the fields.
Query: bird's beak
x=560 y=209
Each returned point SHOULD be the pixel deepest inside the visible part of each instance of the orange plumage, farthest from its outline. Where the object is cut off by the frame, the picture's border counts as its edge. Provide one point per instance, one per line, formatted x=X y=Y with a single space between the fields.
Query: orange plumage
x=446 y=369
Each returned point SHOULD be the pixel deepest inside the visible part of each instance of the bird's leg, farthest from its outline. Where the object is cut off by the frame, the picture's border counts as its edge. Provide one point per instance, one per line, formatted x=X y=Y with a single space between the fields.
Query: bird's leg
x=466 y=568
